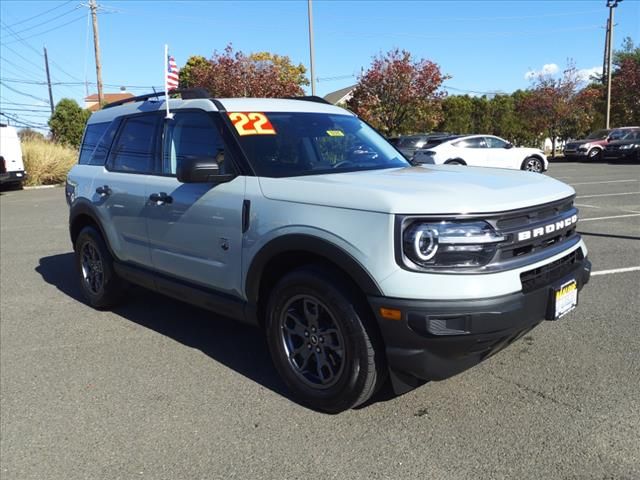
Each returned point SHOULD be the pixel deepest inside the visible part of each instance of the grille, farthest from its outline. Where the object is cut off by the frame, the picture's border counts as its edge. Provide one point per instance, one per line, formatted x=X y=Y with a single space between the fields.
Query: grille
x=543 y=276
x=510 y=225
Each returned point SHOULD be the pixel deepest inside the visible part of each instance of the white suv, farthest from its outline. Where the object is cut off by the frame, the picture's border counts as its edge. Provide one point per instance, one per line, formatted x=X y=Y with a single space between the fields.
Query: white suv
x=297 y=217
x=483 y=151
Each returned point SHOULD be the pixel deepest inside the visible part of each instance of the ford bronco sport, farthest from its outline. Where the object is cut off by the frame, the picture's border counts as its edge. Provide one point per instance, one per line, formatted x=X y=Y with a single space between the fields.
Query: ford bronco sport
x=296 y=216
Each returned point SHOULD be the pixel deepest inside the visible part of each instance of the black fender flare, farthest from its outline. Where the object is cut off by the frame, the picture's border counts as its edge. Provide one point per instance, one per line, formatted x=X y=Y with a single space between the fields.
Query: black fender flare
x=451 y=160
x=82 y=206
x=310 y=244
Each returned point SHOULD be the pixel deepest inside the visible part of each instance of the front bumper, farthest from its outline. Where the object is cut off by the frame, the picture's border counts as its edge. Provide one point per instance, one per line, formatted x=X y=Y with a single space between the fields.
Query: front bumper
x=434 y=340
x=13 y=177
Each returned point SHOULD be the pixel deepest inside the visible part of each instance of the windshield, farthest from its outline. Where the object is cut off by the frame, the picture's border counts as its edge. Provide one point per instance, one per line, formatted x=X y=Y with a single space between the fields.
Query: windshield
x=283 y=144
x=598 y=135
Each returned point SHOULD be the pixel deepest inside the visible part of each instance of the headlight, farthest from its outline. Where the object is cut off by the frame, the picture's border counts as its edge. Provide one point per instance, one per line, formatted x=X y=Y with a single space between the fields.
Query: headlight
x=629 y=146
x=445 y=245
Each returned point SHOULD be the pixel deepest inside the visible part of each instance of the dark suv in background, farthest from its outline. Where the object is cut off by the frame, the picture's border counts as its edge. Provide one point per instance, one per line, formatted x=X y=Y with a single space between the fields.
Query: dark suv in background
x=627 y=148
x=408 y=144
x=591 y=148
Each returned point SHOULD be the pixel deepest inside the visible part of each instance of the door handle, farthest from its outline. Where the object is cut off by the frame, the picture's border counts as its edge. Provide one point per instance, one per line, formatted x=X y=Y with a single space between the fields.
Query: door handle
x=160 y=198
x=103 y=190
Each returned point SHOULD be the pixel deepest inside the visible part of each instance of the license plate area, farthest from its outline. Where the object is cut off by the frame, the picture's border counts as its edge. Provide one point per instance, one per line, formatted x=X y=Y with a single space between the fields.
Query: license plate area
x=563 y=298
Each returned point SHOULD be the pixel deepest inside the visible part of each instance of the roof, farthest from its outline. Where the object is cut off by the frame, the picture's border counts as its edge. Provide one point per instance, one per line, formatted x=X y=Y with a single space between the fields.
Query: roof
x=108 y=98
x=338 y=96
x=230 y=104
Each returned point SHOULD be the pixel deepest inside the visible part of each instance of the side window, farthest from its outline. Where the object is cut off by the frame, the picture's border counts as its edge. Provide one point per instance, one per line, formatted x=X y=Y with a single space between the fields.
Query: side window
x=493 y=142
x=475 y=142
x=134 y=149
x=99 y=155
x=92 y=135
x=192 y=134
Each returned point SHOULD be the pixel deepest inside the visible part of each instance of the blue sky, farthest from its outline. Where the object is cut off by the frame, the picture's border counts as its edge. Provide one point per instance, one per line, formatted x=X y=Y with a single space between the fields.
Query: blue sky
x=485 y=46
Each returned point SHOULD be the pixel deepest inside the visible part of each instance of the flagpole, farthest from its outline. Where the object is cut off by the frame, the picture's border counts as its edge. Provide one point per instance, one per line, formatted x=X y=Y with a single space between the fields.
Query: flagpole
x=166 y=85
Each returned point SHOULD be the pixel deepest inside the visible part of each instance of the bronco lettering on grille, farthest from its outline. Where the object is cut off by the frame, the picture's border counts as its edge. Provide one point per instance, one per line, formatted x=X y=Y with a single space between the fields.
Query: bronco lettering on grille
x=547 y=229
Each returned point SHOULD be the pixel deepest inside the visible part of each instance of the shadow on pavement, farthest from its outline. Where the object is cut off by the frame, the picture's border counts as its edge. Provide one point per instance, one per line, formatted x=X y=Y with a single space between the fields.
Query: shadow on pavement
x=240 y=347
x=609 y=235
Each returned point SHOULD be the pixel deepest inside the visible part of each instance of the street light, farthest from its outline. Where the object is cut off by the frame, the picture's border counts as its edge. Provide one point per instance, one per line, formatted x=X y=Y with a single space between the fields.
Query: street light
x=611 y=4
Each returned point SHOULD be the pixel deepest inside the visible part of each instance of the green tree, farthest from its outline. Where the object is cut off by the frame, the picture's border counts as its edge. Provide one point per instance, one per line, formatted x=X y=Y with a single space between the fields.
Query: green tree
x=190 y=69
x=67 y=122
x=456 y=114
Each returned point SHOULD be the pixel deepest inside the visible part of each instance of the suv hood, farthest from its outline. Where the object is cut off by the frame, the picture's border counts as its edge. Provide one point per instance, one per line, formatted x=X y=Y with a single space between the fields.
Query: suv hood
x=434 y=189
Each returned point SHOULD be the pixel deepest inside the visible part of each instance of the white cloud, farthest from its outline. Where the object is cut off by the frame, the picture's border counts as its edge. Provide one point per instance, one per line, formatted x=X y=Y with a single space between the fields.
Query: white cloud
x=547 y=69
x=585 y=74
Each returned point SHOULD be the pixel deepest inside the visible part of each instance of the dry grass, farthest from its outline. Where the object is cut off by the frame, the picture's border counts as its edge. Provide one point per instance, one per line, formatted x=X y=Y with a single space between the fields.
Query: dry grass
x=47 y=163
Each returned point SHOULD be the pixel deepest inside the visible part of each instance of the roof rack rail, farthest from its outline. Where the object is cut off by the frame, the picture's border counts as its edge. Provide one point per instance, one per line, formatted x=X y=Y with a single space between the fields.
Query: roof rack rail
x=185 y=94
x=310 y=98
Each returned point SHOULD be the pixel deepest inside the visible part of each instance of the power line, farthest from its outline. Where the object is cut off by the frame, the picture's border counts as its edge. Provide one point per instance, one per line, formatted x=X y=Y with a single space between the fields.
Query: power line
x=42 y=13
x=46 y=21
x=22 y=93
x=16 y=119
x=12 y=109
x=50 y=30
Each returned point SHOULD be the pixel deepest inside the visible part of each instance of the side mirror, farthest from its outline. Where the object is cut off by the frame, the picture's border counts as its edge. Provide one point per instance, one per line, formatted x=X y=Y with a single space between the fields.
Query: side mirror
x=508 y=146
x=193 y=169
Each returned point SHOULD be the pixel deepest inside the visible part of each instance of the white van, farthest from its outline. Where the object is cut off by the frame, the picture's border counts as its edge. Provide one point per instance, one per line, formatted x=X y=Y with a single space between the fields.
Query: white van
x=11 y=166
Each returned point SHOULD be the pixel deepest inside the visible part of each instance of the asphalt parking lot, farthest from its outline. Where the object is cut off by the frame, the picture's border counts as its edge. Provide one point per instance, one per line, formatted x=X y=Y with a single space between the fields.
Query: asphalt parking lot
x=158 y=389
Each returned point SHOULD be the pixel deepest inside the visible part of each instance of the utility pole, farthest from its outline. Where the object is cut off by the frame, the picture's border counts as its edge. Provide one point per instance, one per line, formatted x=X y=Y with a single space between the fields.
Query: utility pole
x=93 y=6
x=612 y=4
x=46 y=67
x=605 y=60
x=313 y=78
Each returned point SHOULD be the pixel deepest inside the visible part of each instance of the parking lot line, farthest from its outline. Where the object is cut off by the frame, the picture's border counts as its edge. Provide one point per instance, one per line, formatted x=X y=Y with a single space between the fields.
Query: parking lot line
x=607 y=218
x=608 y=195
x=585 y=205
x=615 y=270
x=605 y=181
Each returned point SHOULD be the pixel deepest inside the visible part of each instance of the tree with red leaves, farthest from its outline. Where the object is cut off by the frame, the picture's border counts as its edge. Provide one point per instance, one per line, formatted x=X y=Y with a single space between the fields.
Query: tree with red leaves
x=234 y=74
x=398 y=94
x=556 y=107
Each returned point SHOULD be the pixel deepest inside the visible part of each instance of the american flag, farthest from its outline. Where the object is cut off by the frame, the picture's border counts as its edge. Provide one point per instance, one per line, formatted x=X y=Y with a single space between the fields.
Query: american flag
x=172 y=73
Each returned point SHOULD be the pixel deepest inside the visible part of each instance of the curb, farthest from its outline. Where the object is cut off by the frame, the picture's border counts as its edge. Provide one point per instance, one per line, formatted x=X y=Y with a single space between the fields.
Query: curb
x=40 y=187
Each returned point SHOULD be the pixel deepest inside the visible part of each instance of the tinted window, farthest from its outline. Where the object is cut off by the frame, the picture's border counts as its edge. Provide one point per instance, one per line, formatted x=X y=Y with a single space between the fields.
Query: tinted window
x=192 y=134
x=92 y=136
x=99 y=155
x=476 y=142
x=313 y=143
x=493 y=142
x=134 y=149
x=598 y=135
x=411 y=142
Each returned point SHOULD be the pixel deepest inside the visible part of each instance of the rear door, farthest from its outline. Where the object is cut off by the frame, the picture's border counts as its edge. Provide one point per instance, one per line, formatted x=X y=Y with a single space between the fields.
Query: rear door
x=120 y=190
x=472 y=150
x=196 y=233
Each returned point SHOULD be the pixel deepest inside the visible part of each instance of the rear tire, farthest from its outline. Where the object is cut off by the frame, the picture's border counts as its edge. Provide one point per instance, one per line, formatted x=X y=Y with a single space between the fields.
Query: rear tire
x=322 y=340
x=100 y=285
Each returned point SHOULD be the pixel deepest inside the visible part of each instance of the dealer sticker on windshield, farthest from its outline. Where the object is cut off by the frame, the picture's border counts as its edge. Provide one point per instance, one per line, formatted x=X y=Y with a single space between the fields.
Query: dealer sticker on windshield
x=566 y=298
x=251 y=123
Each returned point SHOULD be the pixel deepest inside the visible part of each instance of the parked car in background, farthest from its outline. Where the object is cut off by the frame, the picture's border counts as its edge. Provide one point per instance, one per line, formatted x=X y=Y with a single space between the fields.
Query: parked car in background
x=483 y=151
x=408 y=144
x=627 y=148
x=11 y=166
x=592 y=147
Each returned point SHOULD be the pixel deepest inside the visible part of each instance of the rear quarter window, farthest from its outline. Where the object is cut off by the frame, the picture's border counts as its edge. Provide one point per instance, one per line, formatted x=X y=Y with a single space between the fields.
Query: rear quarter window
x=97 y=142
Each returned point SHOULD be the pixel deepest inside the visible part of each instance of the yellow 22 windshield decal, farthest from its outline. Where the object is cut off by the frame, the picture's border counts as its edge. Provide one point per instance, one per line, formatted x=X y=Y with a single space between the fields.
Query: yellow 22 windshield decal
x=251 y=123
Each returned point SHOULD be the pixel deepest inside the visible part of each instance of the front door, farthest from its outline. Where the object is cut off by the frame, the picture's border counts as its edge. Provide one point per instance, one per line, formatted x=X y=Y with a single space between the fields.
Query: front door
x=195 y=229
x=498 y=155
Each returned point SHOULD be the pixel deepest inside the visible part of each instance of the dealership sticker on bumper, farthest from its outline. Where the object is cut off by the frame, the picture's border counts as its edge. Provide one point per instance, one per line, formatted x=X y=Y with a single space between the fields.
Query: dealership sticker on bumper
x=566 y=298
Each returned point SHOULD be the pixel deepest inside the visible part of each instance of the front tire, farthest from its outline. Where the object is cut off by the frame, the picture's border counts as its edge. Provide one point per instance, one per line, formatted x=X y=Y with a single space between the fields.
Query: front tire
x=533 y=164
x=100 y=285
x=594 y=154
x=322 y=340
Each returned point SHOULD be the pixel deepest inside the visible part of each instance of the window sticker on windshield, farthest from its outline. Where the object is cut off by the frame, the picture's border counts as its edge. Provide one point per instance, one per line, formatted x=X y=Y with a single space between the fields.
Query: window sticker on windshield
x=251 y=123
x=335 y=133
